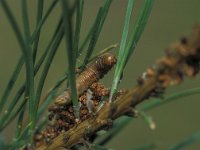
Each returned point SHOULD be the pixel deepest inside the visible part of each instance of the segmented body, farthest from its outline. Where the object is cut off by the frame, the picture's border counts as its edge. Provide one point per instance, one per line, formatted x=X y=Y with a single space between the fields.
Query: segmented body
x=92 y=73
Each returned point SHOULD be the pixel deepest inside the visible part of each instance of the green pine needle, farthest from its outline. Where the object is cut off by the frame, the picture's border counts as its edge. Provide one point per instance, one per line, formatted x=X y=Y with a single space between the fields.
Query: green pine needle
x=91 y=31
x=41 y=23
x=40 y=6
x=79 y=16
x=11 y=110
x=27 y=55
x=96 y=30
x=122 y=51
x=19 y=93
x=11 y=83
x=25 y=19
x=71 y=54
x=47 y=65
x=21 y=140
x=138 y=28
x=85 y=41
x=11 y=115
x=150 y=146
x=148 y=119
x=99 y=147
x=186 y=142
x=19 y=123
x=176 y=96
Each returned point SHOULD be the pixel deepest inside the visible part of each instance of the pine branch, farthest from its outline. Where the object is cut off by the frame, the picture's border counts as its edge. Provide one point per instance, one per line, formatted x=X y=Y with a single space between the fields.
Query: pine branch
x=181 y=59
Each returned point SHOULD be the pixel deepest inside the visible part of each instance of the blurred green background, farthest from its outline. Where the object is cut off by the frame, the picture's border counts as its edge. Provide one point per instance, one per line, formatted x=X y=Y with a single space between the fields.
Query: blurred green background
x=170 y=19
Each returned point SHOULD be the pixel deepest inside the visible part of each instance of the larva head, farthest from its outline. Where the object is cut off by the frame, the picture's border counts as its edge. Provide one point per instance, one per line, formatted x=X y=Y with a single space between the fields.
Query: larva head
x=110 y=59
x=106 y=60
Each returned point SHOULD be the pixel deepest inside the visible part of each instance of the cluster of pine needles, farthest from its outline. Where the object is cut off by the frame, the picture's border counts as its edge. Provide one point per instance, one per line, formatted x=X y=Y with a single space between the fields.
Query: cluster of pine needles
x=74 y=119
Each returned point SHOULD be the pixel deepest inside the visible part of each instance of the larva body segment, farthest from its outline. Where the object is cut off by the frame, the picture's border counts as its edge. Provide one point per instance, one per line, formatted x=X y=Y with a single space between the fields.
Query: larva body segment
x=92 y=73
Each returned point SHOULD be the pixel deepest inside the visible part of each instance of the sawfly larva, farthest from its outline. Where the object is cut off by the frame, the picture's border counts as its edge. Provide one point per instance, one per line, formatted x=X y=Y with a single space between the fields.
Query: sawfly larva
x=92 y=73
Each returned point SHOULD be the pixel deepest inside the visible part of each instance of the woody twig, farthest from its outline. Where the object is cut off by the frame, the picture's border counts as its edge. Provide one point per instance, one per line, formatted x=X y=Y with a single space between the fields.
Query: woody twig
x=181 y=59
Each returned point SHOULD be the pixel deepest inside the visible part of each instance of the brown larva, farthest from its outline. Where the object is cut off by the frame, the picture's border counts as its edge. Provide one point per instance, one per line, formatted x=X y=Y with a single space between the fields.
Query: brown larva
x=92 y=73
